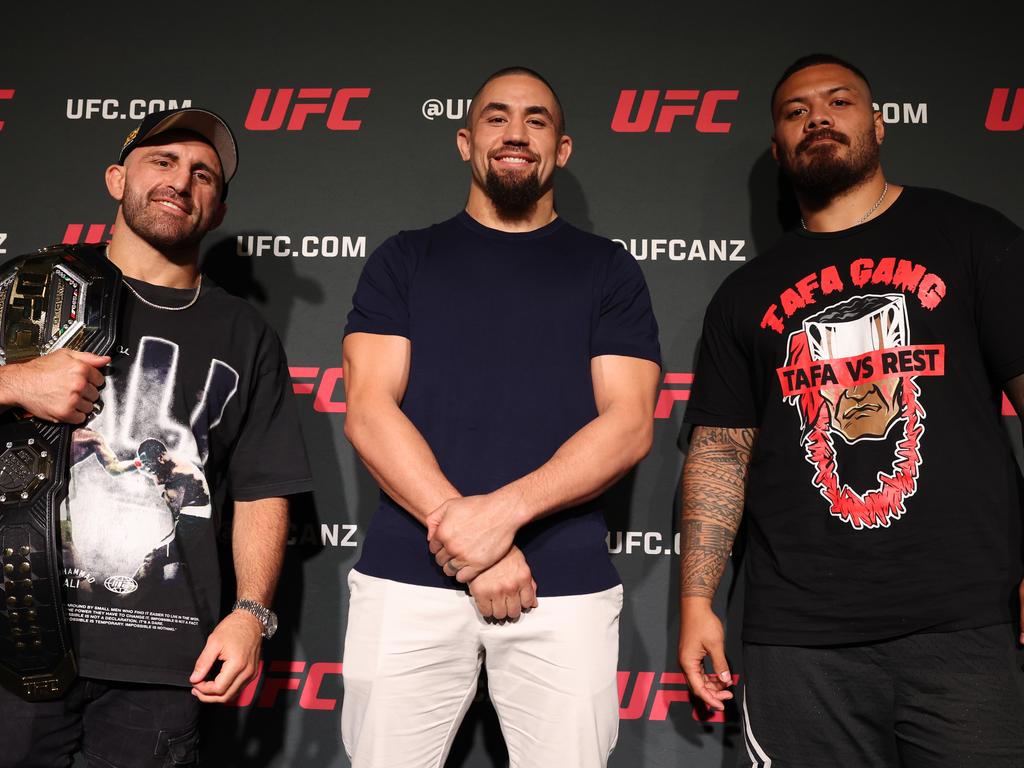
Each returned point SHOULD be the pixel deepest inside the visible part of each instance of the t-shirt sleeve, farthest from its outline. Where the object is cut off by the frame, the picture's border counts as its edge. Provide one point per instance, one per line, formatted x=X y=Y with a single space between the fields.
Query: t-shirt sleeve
x=721 y=395
x=1000 y=308
x=625 y=320
x=381 y=301
x=269 y=456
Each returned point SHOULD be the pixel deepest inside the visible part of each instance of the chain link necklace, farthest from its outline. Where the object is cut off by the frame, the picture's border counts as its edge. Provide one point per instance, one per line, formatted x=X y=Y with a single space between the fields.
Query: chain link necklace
x=147 y=302
x=871 y=210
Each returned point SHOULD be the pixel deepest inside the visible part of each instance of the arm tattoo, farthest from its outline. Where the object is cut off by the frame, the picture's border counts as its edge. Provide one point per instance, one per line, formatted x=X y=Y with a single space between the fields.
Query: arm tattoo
x=714 y=480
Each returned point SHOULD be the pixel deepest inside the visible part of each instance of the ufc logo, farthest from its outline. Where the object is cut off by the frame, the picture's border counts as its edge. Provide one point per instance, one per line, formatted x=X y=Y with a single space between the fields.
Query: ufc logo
x=319 y=685
x=668 y=397
x=997 y=119
x=3 y=239
x=5 y=93
x=93 y=235
x=634 y=699
x=324 y=386
x=673 y=104
x=309 y=101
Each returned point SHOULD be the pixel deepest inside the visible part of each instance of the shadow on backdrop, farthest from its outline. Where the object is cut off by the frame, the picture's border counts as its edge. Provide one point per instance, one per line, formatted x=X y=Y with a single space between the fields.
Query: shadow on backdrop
x=570 y=201
x=255 y=735
x=773 y=207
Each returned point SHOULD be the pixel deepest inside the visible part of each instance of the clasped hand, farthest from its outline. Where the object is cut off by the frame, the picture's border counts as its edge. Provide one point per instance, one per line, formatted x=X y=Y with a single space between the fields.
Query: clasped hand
x=470 y=534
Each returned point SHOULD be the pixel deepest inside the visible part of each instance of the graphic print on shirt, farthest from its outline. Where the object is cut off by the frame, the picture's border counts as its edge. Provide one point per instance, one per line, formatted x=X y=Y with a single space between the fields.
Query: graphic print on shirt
x=851 y=372
x=138 y=492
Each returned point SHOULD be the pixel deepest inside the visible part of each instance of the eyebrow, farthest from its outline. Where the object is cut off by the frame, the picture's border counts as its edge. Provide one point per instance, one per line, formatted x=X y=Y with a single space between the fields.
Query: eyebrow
x=829 y=92
x=497 y=106
x=174 y=156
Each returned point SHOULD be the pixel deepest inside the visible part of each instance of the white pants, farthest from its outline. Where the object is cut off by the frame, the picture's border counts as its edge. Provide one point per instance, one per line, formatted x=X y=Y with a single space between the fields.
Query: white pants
x=413 y=655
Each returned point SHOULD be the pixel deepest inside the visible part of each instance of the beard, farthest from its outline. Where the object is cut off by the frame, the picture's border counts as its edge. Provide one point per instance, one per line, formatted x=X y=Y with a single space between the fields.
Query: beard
x=513 y=194
x=163 y=231
x=824 y=173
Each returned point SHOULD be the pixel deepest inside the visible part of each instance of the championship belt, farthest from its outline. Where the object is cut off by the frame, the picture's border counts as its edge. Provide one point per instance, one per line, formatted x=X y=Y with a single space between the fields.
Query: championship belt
x=63 y=297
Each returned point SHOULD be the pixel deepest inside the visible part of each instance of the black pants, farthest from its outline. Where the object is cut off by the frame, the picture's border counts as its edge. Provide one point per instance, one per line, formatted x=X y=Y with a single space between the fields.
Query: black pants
x=929 y=700
x=115 y=725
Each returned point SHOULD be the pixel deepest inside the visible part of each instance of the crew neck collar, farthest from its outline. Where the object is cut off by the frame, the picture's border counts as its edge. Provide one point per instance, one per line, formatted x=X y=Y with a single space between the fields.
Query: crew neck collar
x=497 y=234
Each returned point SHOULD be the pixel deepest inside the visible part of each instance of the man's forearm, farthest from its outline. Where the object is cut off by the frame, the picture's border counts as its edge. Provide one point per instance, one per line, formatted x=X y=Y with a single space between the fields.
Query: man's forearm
x=584 y=467
x=398 y=457
x=714 y=487
x=258 y=537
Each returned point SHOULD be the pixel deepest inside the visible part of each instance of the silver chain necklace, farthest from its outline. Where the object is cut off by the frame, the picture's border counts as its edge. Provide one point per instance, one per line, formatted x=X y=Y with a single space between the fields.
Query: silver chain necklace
x=871 y=210
x=147 y=302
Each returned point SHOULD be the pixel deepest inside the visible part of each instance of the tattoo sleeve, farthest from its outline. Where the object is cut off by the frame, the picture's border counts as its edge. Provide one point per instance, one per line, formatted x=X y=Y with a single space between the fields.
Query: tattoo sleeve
x=714 y=486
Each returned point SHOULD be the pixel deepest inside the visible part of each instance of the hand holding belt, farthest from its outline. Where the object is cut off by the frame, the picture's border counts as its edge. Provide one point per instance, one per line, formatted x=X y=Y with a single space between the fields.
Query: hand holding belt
x=63 y=297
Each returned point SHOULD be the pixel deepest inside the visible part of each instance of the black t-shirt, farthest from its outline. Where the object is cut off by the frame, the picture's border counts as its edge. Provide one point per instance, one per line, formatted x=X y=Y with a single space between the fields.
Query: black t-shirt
x=197 y=409
x=503 y=328
x=883 y=495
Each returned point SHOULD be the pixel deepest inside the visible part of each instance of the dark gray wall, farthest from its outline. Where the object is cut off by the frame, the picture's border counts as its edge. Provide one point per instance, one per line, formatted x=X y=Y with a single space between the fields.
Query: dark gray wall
x=935 y=75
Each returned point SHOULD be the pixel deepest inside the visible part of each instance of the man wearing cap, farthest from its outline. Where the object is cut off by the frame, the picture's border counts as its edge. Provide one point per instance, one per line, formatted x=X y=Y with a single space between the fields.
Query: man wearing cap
x=500 y=374
x=847 y=399
x=199 y=374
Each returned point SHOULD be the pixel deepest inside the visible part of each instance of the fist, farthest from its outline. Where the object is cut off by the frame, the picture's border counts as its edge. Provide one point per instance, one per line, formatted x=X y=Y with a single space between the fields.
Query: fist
x=61 y=386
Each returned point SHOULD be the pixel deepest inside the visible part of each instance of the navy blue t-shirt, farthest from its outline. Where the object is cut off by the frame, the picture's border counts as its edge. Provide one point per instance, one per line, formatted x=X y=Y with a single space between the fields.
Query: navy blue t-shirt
x=503 y=328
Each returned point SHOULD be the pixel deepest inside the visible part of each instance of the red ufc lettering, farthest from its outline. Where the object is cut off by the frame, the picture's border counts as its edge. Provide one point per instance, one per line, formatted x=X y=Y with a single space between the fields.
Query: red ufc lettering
x=324 y=401
x=1008 y=409
x=5 y=93
x=996 y=120
x=676 y=103
x=310 y=698
x=665 y=696
x=637 y=705
x=621 y=122
x=247 y=694
x=668 y=397
x=272 y=686
x=73 y=234
x=311 y=101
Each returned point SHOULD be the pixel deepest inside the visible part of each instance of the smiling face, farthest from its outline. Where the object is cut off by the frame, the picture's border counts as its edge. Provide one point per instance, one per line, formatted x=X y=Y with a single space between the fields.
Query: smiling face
x=826 y=136
x=513 y=142
x=170 y=190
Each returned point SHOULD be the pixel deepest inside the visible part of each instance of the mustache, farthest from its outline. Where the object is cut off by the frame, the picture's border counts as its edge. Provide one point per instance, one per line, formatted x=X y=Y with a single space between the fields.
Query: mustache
x=171 y=194
x=513 y=148
x=821 y=133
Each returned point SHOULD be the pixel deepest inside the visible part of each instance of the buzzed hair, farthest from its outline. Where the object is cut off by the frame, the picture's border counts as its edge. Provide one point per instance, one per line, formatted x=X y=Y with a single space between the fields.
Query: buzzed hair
x=519 y=71
x=813 y=60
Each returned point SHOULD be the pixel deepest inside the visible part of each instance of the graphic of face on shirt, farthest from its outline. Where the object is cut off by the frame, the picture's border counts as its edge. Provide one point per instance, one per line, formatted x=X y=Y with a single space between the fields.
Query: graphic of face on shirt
x=851 y=371
x=850 y=329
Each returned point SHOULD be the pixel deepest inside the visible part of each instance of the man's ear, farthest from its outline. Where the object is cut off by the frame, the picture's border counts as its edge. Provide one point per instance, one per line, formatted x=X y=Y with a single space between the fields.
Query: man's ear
x=114 y=177
x=464 y=141
x=564 y=150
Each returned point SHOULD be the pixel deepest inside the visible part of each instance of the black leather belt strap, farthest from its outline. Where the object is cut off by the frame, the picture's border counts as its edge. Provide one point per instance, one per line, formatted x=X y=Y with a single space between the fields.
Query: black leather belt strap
x=64 y=297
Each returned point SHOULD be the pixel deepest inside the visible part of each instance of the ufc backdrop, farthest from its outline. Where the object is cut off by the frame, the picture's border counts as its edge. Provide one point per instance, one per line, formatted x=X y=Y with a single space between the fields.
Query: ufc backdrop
x=346 y=115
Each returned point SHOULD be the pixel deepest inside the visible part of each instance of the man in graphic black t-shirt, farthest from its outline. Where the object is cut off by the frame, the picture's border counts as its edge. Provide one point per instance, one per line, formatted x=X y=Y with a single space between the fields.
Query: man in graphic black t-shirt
x=500 y=371
x=190 y=418
x=847 y=400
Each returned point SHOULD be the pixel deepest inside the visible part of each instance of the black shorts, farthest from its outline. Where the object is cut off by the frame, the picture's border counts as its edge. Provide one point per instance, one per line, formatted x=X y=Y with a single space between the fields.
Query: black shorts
x=928 y=700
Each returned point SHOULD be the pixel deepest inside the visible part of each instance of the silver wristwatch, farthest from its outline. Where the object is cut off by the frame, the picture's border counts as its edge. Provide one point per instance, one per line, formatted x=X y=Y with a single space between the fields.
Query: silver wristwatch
x=266 y=616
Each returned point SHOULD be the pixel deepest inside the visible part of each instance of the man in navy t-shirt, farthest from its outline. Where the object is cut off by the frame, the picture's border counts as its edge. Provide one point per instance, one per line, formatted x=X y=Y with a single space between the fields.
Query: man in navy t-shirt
x=500 y=374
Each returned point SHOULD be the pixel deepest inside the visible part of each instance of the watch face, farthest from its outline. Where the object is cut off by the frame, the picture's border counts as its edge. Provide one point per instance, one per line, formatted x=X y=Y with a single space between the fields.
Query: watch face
x=271 y=624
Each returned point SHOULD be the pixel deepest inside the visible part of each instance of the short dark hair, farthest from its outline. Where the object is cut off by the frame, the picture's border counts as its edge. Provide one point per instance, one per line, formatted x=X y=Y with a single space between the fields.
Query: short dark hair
x=813 y=60
x=519 y=71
